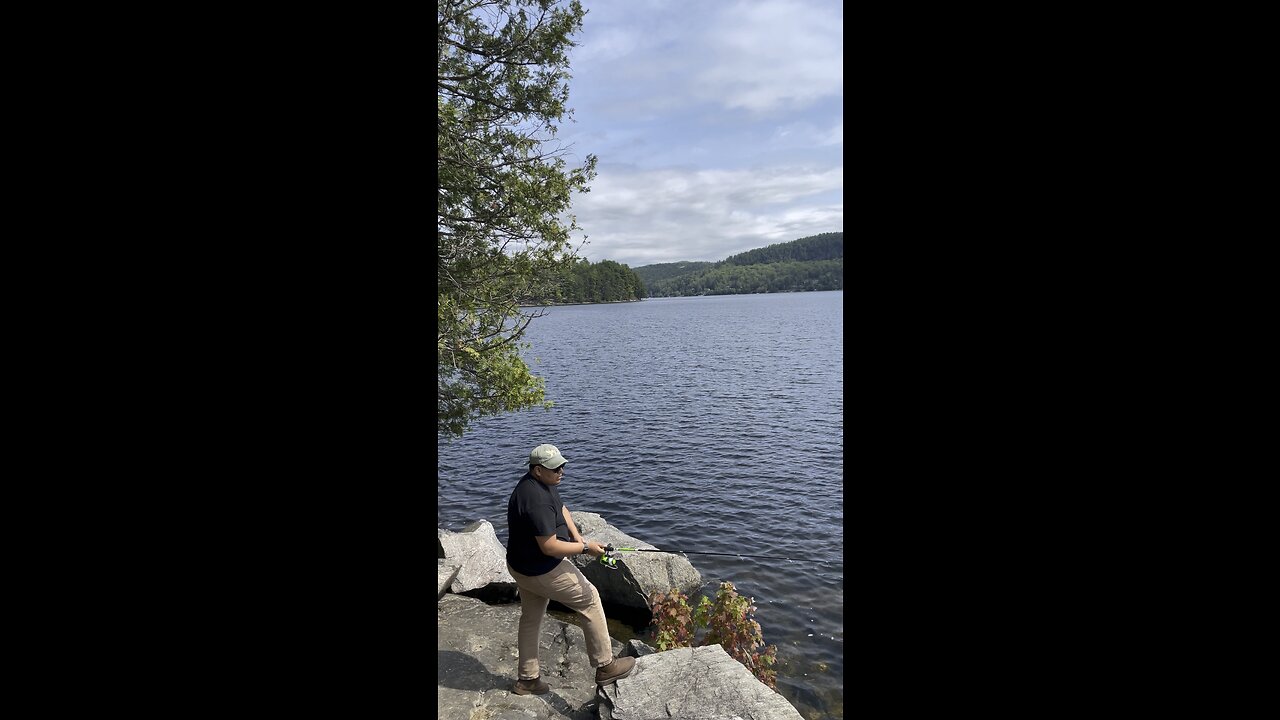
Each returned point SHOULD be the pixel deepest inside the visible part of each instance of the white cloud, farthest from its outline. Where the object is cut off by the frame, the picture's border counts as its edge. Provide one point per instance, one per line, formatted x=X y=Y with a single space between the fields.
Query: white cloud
x=644 y=217
x=834 y=137
x=757 y=55
x=774 y=55
x=718 y=126
x=806 y=134
x=609 y=43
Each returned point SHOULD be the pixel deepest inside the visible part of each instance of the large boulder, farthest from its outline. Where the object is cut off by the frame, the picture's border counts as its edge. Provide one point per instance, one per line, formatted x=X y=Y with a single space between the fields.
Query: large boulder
x=477 y=655
x=483 y=558
x=637 y=574
x=703 y=683
x=445 y=573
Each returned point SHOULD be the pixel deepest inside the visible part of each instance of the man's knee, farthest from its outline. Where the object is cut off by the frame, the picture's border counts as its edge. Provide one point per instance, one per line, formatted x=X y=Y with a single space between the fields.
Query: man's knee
x=585 y=597
x=593 y=598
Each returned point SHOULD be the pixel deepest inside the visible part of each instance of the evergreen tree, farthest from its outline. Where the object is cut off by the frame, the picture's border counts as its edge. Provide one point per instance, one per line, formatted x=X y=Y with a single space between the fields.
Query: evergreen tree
x=502 y=87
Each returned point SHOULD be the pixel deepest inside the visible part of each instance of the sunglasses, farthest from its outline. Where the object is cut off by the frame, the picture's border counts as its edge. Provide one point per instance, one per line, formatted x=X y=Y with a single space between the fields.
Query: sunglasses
x=559 y=470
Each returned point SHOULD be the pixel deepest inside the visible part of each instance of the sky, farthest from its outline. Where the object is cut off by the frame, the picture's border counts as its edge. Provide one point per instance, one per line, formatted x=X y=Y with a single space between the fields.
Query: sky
x=718 y=124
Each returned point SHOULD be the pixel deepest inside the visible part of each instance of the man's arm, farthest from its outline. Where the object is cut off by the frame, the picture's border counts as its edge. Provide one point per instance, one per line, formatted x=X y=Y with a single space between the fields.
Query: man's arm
x=568 y=520
x=553 y=547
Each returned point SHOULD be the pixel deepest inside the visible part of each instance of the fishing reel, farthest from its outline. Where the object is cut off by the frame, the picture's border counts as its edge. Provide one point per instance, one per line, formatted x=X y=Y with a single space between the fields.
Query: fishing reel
x=610 y=558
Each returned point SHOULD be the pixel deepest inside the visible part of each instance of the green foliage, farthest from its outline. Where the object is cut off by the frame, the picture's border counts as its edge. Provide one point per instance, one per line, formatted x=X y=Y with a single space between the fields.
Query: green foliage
x=652 y=274
x=671 y=616
x=763 y=278
x=812 y=263
x=826 y=246
x=584 y=282
x=728 y=621
x=503 y=194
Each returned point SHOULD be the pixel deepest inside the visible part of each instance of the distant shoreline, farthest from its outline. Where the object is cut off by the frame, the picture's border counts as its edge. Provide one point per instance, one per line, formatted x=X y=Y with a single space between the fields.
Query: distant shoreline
x=602 y=302
x=675 y=297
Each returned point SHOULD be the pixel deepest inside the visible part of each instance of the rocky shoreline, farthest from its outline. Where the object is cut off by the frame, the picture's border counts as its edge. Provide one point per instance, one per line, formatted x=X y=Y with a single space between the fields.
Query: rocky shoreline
x=478 y=616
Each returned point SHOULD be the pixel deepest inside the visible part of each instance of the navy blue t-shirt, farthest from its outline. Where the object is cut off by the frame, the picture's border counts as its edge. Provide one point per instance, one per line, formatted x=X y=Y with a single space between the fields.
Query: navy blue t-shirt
x=533 y=510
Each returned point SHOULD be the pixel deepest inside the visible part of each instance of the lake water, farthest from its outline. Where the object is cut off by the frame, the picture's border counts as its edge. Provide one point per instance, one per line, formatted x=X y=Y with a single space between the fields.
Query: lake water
x=705 y=423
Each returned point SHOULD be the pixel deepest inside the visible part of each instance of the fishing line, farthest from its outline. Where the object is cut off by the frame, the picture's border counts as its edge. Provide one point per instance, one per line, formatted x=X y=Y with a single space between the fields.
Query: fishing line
x=612 y=560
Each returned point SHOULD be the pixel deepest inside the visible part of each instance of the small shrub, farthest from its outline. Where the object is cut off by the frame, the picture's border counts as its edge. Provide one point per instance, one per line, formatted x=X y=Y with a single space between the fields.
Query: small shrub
x=674 y=623
x=728 y=621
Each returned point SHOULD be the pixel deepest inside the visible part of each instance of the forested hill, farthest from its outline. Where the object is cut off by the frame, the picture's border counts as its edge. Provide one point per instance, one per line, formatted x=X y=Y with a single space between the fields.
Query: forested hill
x=582 y=281
x=651 y=274
x=810 y=263
x=827 y=246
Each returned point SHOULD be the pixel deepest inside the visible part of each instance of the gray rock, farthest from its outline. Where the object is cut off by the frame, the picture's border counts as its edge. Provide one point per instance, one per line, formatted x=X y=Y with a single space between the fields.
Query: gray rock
x=445 y=573
x=478 y=655
x=703 y=683
x=637 y=574
x=636 y=648
x=477 y=550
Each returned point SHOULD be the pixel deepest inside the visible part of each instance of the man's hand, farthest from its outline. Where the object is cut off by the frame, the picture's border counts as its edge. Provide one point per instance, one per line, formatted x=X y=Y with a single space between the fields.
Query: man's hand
x=594 y=548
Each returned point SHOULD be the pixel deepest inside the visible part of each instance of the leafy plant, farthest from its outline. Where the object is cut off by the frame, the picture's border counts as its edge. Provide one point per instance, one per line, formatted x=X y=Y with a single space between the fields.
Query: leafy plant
x=503 y=195
x=728 y=622
x=674 y=622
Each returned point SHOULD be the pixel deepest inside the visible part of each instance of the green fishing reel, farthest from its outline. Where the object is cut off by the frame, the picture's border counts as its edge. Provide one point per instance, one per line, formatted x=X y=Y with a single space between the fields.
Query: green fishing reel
x=608 y=560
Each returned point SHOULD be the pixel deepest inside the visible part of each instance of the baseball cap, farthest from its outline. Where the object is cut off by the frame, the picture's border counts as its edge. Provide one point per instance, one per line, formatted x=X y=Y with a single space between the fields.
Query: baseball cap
x=548 y=456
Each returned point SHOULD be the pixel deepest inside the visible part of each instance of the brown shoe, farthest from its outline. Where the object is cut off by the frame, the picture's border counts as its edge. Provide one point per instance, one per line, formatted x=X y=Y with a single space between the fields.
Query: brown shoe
x=531 y=687
x=616 y=670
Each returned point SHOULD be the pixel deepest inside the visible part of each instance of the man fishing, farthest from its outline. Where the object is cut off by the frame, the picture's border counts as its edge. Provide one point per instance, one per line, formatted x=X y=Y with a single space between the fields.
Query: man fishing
x=541 y=534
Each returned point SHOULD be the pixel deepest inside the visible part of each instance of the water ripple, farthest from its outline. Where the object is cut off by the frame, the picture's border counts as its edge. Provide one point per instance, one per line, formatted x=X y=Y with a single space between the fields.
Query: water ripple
x=702 y=424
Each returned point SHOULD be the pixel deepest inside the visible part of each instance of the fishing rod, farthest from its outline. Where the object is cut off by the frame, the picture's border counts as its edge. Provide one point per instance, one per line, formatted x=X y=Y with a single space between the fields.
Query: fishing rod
x=611 y=561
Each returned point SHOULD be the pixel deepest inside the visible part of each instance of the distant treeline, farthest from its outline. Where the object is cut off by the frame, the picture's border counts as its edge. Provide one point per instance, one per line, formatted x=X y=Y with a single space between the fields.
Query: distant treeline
x=810 y=263
x=585 y=282
x=652 y=274
x=826 y=246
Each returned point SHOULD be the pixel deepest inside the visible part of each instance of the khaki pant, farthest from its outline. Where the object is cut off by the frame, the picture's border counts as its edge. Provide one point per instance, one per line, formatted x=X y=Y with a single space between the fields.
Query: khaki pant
x=568 y=586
